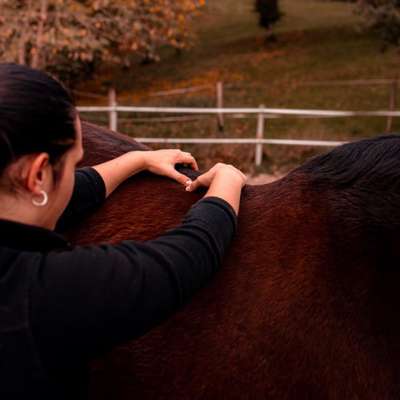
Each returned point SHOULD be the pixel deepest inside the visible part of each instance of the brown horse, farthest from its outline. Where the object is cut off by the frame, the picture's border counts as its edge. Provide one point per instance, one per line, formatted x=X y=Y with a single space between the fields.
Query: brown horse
x=306 y=304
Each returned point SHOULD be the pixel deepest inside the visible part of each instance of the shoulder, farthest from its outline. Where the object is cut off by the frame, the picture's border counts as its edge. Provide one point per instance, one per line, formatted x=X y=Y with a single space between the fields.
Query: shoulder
x=89 y=176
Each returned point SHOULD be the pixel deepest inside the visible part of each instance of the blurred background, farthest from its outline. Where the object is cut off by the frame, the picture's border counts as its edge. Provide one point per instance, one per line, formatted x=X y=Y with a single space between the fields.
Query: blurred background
x=291 y=54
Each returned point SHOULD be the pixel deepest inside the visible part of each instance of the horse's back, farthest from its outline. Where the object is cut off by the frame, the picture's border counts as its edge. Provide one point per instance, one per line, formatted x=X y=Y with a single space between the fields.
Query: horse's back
x=284 y=318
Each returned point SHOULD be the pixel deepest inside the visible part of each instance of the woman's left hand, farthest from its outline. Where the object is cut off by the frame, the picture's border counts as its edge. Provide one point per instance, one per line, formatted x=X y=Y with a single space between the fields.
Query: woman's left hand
x=162 y=162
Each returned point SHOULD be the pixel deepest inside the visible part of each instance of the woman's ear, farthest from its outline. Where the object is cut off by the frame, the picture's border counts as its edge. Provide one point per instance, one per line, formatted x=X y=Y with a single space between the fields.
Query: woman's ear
x=38 y=174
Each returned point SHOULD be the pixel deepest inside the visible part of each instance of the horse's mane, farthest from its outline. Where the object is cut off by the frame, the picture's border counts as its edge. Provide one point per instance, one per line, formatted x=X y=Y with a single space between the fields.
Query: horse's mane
x=362 y=177
x=362 y=164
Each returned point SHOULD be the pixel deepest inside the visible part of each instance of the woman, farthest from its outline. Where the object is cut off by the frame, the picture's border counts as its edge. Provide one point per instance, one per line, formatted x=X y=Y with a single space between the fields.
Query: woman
x=60 y=305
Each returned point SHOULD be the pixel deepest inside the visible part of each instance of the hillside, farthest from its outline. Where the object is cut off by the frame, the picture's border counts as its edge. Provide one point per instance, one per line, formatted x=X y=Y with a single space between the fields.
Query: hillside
x=316 y=41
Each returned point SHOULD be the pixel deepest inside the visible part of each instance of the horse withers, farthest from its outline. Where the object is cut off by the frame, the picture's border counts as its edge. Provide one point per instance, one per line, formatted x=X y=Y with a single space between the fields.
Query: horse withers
x=306 y=303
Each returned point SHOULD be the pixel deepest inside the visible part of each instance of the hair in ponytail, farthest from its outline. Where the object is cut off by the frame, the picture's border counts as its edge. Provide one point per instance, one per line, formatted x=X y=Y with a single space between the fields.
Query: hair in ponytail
x=37 y=114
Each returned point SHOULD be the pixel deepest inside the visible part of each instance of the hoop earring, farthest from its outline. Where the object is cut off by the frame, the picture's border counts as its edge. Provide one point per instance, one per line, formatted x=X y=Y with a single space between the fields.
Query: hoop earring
x=43 y=202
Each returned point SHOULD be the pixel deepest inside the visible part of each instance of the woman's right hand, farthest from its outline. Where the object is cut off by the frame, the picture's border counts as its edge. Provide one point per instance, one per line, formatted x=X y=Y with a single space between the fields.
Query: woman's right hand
x=224 y=181
x=229 y=172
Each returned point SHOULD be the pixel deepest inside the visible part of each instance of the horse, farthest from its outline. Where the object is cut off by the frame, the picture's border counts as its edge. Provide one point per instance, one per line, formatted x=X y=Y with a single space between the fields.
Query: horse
x=306 y=303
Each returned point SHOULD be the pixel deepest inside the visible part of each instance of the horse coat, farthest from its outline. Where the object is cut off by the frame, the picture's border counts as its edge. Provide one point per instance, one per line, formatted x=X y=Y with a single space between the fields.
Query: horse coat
x=306 y=303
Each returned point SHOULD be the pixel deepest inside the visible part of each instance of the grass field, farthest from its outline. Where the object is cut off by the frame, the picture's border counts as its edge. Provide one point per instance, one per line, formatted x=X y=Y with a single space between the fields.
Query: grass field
x=316 y=41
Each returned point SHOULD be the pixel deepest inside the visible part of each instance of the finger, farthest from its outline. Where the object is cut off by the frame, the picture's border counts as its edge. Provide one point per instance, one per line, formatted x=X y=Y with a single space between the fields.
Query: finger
x=180 y=178
x=194 y=185
x=187 y=158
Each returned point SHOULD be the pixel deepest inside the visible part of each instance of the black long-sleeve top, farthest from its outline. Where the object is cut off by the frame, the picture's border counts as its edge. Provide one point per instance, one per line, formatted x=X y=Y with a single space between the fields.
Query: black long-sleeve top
x=62 y=305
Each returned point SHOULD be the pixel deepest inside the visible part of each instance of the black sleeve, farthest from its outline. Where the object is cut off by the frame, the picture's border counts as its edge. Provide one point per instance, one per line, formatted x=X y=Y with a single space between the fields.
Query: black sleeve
x=89 y=193
x=89 y=298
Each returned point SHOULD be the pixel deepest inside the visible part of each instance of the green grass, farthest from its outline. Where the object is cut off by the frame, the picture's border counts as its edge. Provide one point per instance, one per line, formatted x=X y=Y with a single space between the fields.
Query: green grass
x=316 y=40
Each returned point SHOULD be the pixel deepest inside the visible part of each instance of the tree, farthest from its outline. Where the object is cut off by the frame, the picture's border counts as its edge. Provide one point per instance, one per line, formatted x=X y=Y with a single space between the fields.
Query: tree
x=50 y=33
x=383 y=16
x=269 y=13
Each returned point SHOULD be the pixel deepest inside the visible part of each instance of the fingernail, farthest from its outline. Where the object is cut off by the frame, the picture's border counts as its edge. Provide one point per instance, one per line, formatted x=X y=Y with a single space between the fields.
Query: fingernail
x=189 y=182
x=187 y=188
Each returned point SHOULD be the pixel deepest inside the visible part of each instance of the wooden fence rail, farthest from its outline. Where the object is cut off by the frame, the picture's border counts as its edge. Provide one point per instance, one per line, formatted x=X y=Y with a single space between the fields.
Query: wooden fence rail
x=261 y=112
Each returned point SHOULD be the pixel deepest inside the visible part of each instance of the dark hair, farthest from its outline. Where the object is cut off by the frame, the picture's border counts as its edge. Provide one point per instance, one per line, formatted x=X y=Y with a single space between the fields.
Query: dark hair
x=362 y=175
x=37 y=114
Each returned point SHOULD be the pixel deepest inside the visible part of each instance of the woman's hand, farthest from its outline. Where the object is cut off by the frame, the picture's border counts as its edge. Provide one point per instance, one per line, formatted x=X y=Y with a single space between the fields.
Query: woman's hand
x=224 y=181
x=228 y=171
x=162 y=162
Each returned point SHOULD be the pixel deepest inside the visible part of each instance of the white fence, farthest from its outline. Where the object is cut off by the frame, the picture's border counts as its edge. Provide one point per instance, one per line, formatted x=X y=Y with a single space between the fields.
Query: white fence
x=220 y=93
x=261 y=112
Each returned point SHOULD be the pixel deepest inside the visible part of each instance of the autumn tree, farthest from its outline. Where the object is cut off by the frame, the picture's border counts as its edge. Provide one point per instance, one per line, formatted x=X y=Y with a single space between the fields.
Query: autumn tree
x=49 y=33
x=269 y=14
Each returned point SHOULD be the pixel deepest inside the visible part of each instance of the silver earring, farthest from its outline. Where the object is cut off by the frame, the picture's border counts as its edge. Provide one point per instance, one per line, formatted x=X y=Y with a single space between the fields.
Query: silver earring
x=43 y=202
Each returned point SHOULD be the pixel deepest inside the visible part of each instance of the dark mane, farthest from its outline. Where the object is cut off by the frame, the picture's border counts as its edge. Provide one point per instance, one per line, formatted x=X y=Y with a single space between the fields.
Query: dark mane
x=361 y=177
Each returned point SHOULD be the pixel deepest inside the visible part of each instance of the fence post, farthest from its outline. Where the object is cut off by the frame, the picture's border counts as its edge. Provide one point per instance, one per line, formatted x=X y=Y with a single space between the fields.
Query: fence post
x=220 y=104
x=113 y=116
x=392 y=104
x=260 y=135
